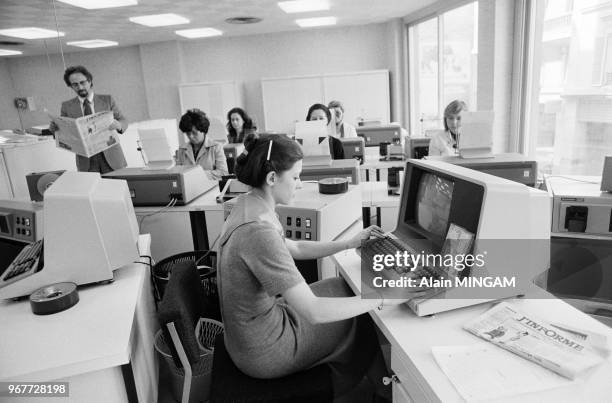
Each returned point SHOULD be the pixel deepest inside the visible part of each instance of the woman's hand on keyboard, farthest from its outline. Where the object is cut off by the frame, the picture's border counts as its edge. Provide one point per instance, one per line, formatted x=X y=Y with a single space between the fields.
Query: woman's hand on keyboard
x=373 y=231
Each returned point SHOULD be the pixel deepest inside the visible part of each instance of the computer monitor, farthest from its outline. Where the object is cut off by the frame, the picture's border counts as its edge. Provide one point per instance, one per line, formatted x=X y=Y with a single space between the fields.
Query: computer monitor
x=374 y=135
x=417 y=147
x=232 y=151
x=90 y=230
x=507 y=221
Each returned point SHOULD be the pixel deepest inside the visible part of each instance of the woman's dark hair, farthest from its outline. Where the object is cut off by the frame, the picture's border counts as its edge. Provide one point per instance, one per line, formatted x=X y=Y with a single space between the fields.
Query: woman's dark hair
x=232 y=136
x=319 y=106
x=77 y=69
x=194 y=117
x=252 y=166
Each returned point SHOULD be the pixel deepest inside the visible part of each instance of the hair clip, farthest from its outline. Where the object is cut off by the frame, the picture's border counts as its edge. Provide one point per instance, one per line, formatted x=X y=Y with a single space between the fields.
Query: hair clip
x=269 y=151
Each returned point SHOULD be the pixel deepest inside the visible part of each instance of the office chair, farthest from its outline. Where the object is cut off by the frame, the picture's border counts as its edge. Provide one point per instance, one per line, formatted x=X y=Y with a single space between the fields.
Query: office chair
x=179 y=312
x=230 y=385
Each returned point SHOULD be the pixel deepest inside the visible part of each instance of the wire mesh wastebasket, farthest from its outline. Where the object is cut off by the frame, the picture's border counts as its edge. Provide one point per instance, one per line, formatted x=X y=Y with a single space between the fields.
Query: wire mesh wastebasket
x=200 y=386
x=206 y=263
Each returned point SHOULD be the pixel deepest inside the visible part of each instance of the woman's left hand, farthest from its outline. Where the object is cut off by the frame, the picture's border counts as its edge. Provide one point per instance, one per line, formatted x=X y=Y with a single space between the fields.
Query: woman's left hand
x=365 y=234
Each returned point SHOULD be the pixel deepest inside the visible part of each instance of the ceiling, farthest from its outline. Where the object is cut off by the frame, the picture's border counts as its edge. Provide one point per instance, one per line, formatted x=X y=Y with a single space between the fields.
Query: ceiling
x=113 y=24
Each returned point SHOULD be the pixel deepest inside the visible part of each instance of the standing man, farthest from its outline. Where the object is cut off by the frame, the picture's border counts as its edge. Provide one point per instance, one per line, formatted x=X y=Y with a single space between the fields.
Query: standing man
x=86 y=103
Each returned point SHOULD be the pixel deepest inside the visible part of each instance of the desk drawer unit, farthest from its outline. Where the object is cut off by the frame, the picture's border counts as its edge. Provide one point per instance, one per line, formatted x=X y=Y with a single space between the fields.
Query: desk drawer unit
x=409 y=388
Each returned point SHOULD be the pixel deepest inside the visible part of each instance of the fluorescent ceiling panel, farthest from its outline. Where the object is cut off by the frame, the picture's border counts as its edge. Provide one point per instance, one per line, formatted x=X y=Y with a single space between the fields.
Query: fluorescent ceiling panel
x=95 y=4
x=316 y=22
x=303 y=6
x=6 y=52
x=30 y=33
x=93 y=43
x=160 y=20
x=198 y=32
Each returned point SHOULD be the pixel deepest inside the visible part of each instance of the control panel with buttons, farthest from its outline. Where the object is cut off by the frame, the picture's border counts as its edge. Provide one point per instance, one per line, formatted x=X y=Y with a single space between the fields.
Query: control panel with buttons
x=20 y=220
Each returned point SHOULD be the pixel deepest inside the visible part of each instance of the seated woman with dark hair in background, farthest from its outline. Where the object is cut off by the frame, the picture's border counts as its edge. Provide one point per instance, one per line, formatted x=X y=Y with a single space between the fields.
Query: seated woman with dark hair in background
x=321 y=112
x=275 y=323
x=201 y=150
x=444 y=142
x=239 y=124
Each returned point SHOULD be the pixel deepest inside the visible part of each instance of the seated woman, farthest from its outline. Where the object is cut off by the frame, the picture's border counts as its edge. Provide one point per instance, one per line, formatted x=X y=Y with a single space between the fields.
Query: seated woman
x=275 y=323
x=321 y=112
x=343 y=129
x=201 y=150
x=444 y=142
x=239 y=125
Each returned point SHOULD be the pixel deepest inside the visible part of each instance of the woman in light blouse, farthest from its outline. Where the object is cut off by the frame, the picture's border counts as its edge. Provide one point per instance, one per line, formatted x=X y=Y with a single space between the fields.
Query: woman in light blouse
x=201 y=150
x=444 y=142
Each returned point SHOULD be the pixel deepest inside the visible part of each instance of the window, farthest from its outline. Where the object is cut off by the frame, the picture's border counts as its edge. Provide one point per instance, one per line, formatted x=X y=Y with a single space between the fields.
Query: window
x=571 y=128
x=443 y=65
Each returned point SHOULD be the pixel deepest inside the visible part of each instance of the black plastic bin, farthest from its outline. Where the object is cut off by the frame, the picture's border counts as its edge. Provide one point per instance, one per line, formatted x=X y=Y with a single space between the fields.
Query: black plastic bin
x=206 y=263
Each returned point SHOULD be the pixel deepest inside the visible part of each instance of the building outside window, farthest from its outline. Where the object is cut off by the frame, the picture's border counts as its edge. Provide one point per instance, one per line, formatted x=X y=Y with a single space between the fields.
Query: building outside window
x=443 y=54
x=571 y=130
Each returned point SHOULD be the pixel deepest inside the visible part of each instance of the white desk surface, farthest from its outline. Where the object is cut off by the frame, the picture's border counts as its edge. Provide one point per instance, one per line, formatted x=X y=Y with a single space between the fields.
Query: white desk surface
x=205 y=202
x=413 y=337
x=92 y=335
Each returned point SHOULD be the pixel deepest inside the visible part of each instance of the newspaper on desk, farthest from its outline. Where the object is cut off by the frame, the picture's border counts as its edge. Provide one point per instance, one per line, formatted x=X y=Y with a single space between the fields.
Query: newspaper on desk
x=87 y=135
x=536 y=340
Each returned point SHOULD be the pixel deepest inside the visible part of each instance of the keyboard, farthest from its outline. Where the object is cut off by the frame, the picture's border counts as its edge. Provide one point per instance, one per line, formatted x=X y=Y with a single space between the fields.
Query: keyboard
x=390 y=246
x=27 y=262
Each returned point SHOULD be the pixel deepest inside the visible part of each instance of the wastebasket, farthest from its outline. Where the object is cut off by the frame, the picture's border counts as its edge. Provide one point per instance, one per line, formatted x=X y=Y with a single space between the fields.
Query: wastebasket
x=200 y=381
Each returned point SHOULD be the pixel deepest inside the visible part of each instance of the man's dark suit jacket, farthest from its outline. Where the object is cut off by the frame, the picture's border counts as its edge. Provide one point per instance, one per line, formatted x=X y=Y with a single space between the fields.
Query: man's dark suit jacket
x=114 y=155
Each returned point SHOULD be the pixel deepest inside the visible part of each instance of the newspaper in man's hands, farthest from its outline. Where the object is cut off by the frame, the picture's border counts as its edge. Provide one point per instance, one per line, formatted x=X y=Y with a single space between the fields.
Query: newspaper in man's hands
x=535 y=339
x=87 y=135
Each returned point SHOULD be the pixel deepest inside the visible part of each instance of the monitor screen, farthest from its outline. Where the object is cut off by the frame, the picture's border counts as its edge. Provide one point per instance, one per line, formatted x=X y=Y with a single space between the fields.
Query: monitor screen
x=433 y=202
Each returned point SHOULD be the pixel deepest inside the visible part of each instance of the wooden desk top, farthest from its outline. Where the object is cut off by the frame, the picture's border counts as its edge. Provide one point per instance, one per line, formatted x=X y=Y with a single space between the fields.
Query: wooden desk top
x=92 y=335
x=412 y=337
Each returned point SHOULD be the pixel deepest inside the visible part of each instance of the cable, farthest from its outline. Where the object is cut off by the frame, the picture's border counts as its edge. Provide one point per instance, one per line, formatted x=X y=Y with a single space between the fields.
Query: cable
x=161 y=210
x=58 y=35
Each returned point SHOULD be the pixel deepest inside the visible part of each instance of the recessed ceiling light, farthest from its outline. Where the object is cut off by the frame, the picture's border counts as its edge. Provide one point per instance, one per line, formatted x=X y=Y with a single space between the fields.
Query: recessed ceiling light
x=93 y=43
x=198 y=32
x=303 y=6
x=5 y=52
x=95 y=4
x=243 y=20
x=31 y=33
x=316 y=22
x=160 y=20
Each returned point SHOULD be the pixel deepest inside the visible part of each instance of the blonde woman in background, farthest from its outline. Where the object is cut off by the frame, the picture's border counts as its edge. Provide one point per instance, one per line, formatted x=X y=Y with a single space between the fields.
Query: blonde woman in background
x=444 y=142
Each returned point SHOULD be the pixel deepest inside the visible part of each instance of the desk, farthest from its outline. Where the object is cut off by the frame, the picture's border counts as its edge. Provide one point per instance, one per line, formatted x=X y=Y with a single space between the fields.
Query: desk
x=102 y=346
x=372 y=162
x=411 y=338
x=194 y=226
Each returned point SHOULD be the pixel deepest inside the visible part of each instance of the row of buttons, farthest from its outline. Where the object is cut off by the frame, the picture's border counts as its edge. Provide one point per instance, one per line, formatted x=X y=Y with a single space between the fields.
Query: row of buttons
x=298 y=222
x=298 y=235
x=25 y=232
x=23 y=221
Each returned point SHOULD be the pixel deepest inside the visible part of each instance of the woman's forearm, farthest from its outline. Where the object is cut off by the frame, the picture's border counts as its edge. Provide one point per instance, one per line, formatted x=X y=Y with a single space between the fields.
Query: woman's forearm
x=301 y=250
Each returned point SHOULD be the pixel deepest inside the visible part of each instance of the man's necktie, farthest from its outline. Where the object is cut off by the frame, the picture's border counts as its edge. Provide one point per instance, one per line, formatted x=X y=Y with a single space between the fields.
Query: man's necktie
x=86 y=107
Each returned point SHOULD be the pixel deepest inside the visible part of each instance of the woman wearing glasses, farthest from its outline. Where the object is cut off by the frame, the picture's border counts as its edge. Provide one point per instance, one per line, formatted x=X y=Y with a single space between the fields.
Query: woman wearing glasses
x=201 y=150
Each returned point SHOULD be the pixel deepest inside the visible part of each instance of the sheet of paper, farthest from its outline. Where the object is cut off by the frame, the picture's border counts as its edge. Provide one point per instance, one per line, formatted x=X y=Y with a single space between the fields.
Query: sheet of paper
x=155 y=144
x=486 y=372
x=310 y=132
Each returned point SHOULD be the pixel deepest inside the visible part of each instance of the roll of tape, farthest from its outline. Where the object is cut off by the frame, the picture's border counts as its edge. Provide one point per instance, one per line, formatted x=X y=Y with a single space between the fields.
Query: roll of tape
x=332 y=186
x=54 y=298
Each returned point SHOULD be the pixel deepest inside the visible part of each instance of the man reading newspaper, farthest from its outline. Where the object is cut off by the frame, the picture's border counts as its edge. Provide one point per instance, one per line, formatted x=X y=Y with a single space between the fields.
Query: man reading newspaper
x=89 y=105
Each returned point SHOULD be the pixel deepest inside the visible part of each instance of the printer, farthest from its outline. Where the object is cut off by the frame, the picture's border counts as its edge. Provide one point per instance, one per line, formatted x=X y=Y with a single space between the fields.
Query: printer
x=181 y=183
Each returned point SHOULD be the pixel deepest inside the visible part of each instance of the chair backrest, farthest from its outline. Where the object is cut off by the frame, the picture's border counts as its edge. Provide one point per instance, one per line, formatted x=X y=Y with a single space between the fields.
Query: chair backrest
x=182 y=305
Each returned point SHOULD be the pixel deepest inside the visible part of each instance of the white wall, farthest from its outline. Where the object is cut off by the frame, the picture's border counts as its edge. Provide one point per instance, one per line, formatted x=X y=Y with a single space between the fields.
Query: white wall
x=143 y=79
x=117 y=72
x=9 y=119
